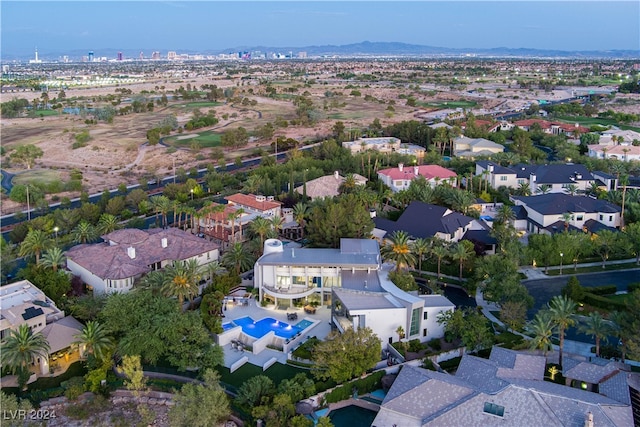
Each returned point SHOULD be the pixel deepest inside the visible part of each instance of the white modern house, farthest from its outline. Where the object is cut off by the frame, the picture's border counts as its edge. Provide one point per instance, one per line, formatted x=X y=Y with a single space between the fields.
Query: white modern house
x=553 y=178
x=387 y=144
x=128 y=254
x=23 y=303
x=546 y=213
x=352 y=281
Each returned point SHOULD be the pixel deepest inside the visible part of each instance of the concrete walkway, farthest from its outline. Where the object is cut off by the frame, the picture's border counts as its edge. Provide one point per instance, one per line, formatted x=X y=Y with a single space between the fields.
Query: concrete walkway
x=567 y=269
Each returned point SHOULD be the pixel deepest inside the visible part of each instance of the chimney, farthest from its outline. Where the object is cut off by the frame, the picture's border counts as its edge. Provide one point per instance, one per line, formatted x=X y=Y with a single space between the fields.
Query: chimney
x=588 y=422
x=260 y=198
x=164 y=242
x=131 y=251
x=372 y=213
x=491 y=168
x=401 y=166
x=415 y=170
x=336 y=175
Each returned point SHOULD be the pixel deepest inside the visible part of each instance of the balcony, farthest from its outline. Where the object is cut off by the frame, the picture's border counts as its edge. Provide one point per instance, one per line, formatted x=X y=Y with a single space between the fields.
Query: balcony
x=290 y=292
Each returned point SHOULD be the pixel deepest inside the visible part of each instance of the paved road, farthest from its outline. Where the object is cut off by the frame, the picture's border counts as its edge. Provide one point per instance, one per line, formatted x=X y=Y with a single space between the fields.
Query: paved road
x=542 y=290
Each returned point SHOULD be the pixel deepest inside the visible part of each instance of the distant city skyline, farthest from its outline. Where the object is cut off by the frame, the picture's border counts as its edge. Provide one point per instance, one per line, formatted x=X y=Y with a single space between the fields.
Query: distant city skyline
x=56 y=27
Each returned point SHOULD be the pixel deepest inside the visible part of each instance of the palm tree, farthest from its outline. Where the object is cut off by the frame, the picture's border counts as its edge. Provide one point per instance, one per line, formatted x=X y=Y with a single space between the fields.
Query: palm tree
x=95 y=339
x=213 y=269
x=181 y=280
x=621 y=324
x=597 y=327
x=439 y=251
x=523 y=189
x=232 y=217
x=260 y=226
x=107 y=224
x=566 y=218
x=594 y=188
x=562 y=310
x=53 y=258
x=153 y=281
x=238 y=258
x=543 y=189
x=542 y=329
x=84 y=232
x=276 y=223
x=20 y=348
x=461 y=200
x=420 y=247
x=348 y=185
x=300 y=212
x=240 y=212
x=462 y=251
x=505 y=215
x=35 y=243
x=571 y=189
x=162 y=205
x=398 y=250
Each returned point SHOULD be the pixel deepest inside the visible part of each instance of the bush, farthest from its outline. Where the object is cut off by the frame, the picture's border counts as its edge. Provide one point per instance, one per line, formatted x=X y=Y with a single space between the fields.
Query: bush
x=602 y=290
x=363 y=385
x=603 y=303
x=450 y=364
x=403 y=280
x=73 y=387
x=633 y=287
x=428 y=364
x=435 y=344
x=415 y=346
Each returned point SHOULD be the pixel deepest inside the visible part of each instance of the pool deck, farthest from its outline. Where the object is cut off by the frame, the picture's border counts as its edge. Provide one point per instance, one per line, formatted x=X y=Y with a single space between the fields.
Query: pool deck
x=255 y=311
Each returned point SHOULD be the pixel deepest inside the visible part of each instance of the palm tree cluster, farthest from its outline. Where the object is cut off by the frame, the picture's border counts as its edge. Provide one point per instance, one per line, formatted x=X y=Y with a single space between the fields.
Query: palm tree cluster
x=406 y=253
x=443 y=194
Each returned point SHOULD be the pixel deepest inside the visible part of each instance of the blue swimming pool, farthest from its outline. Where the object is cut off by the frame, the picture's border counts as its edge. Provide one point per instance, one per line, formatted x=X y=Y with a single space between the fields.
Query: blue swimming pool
x=260 y=328
x=303 y=324
x=227 y=326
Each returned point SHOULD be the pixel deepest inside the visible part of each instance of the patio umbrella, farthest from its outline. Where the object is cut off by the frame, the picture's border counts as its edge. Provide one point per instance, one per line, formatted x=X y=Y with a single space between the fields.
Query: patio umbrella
x=304 y=408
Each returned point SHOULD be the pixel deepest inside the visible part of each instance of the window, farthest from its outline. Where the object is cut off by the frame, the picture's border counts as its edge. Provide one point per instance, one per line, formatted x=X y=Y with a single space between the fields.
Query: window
x=610 y=217
x=493 y=409
x=580 y=217
x=601 y=217
x=503 y=178
x=424 y=332
x=425 y=315
x=415 y=322
x=520 y=181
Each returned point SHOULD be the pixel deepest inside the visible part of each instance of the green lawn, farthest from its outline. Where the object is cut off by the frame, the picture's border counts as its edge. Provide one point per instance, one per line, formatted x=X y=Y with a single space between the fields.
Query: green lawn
x=347 y=115
x=43 y=113
x=622 y=298
x=205 y=139
x=202 y=104
x=277 y=372
x=591 y=121
x=608 y=267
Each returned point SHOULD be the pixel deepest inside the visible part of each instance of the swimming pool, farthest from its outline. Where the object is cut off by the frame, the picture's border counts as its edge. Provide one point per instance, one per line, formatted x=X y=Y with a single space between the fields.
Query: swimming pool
x=227 y=326
x=262 y=327
x=303 y=324
x=352 y=416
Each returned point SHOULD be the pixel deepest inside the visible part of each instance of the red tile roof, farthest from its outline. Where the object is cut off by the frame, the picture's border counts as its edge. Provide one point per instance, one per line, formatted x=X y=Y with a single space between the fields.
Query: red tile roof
x=428 y=171
x=251 y=201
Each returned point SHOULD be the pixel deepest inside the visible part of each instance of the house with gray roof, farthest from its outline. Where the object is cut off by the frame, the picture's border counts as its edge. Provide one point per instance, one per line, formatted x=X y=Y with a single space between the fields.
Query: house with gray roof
x=126 y=255
x=353 y=283
x=508 y=389
x=475 y=147
x=554 y=178
x=423 y=220
x=556 y=212
x=22 y=303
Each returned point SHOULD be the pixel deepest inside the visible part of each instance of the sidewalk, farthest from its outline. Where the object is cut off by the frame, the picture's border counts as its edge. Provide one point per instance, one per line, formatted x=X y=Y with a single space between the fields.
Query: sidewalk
x=539 y=272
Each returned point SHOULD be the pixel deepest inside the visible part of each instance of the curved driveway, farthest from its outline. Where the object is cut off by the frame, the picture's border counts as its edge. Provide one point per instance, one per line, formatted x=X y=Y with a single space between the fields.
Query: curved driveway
x=6 y=180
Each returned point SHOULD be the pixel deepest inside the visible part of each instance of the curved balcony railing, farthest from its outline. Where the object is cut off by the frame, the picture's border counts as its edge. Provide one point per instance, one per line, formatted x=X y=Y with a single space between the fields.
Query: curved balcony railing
x=290 y=292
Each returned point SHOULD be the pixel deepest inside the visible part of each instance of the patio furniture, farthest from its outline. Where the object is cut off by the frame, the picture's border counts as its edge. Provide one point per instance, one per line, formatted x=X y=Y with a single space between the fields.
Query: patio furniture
x=309 y=309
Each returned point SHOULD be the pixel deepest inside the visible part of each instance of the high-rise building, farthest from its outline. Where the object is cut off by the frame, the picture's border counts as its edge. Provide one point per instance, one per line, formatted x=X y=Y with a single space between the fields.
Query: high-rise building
x=141 y=55
x=36 y=60
x=90 y=56
x=119 y=56
x=171 y=55
x=155 y=55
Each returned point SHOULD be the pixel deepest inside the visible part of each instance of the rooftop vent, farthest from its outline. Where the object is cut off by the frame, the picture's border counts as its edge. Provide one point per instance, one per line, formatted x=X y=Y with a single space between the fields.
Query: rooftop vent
x=131 y=251
x=401 y=166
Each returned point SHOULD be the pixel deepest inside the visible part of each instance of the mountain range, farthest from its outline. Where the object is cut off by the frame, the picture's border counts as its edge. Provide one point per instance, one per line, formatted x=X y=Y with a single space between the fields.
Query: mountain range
x=363 y=49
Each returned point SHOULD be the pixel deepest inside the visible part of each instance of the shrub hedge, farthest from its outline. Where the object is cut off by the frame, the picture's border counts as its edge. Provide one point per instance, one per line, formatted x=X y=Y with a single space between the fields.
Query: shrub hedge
x=363 y=385
x=602 y=302
x=602 y=290
x=633 y=287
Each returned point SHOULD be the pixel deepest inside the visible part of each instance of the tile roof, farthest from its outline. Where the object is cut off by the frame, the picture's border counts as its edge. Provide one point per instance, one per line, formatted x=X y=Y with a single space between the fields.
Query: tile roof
x=61 y=334
x=427 y=398
x=430 y=172
x=559 y=203
x=423 y=220
x=113 y=261
x=254 y=202
x=327 y=186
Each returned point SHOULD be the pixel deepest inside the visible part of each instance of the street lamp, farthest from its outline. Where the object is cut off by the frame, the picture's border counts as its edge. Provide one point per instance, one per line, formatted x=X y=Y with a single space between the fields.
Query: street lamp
x=561 y=255
x=191 y=191
x=55 y=230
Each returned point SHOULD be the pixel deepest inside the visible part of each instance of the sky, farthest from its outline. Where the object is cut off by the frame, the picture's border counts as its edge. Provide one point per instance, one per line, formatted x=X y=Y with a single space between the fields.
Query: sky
x=56 y=26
